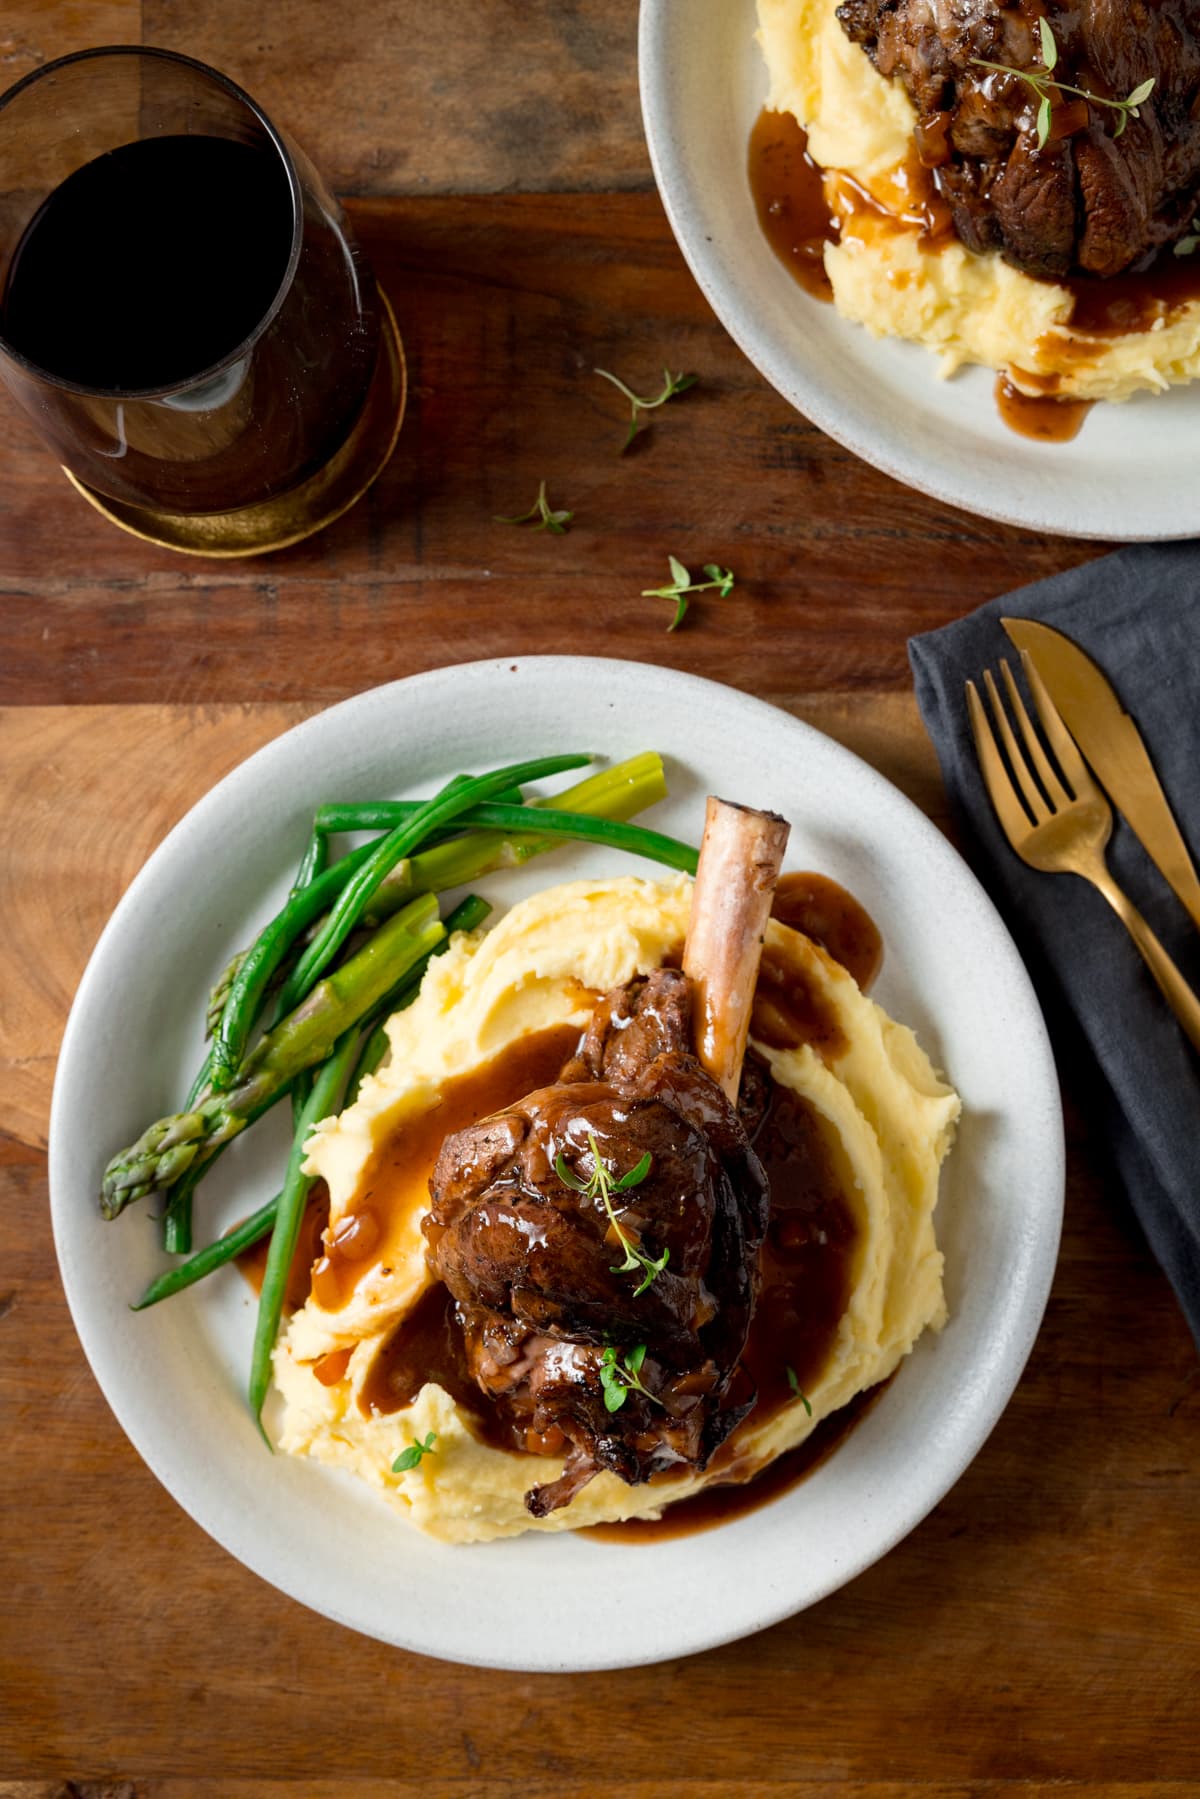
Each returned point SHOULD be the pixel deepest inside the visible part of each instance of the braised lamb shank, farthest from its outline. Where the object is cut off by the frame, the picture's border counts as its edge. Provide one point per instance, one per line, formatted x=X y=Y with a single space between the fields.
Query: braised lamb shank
x=1095 y=199
x=606 y=1321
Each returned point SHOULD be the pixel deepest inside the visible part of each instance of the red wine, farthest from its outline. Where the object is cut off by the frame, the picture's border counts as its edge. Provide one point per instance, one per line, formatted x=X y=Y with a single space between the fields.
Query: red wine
x=150 y=264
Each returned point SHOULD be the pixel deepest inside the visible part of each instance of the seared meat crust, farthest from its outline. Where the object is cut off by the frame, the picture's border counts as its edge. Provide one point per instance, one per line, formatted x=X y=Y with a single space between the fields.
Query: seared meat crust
x=534 y=1265
x=1089 y=202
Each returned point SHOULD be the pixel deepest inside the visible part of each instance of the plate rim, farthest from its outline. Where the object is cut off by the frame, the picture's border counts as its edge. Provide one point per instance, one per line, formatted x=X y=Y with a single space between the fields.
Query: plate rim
x=657 y=19
x=772 y=1607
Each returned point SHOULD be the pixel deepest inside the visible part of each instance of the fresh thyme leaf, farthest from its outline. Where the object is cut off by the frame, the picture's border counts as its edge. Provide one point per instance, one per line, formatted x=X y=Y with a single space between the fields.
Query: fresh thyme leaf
x=1041 y=82
x=722 y=577
x=567 y=1175
x=408 y=1458
x=614 y=1387
x=618 y=1380
x=1186 y=245
x=794 y=1384
x=682 y=587
x=540 y=516
x=600 y=1187
x=672 y=385
x=1049 y=44
x=636 y=1175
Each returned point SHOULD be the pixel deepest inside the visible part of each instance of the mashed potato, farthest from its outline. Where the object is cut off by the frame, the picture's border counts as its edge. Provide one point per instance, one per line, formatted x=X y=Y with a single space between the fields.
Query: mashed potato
x=886 y=1114
x=968 y=308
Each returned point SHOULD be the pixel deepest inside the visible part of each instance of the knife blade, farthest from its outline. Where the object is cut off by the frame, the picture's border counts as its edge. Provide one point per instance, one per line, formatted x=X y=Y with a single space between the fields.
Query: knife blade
x=1113 y=745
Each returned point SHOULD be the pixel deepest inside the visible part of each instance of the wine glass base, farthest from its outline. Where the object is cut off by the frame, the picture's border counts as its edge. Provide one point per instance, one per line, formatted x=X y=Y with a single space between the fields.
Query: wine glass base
x=316 y=502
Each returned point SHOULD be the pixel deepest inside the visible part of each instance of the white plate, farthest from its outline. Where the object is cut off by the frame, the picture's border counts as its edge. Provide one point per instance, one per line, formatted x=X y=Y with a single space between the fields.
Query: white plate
x=175 y=1375
x=1126 y=476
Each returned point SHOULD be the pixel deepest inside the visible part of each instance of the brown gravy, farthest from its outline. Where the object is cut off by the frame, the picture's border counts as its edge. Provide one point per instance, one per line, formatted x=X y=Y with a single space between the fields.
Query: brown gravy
x=396 y=1184
x=1044 y=417
x=823 y=910
x=253 y=1261
x=789 y=197
x=733 y=1499
x=428 y=1346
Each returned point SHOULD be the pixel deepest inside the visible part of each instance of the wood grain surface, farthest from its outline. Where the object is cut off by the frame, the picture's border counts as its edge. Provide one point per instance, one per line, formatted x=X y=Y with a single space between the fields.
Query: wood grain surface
x=1040 y=1632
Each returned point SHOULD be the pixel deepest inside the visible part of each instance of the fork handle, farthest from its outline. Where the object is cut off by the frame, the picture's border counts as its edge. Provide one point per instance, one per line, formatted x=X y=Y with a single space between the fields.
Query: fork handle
x=1179 y=996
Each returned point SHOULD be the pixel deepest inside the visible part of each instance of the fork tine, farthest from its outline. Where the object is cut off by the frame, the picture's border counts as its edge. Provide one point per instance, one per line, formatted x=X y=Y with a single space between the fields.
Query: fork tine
x=1061 y=740
x=1055 y=791
x=1038 y=808
x=1009 y=809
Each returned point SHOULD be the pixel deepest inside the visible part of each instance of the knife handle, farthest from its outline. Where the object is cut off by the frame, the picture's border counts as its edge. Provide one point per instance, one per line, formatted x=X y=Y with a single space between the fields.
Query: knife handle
x=1179 y=996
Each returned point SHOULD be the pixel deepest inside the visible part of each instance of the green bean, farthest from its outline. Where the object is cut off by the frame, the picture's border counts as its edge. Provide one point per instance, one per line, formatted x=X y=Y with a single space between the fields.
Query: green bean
x=211 y=1257
x=635 y=839
x=351 y=903
x=289 y=1210
x=248 y=988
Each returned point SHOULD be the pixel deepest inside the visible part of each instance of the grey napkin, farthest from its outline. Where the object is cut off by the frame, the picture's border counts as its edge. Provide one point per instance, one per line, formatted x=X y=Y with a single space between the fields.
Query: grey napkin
x=1137 y=613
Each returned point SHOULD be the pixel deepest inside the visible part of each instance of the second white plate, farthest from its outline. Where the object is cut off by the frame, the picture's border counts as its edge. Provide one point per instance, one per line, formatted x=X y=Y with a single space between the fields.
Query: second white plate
x=1127 y=476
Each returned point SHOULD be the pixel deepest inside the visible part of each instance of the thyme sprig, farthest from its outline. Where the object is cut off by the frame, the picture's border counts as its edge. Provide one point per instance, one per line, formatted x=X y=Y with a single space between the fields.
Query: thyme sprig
x=682 y=587
x=619 y=1378
x=540 y=516
x=1041 y=83
x=408 y=1458
x=672 y=385
x=601 y=1186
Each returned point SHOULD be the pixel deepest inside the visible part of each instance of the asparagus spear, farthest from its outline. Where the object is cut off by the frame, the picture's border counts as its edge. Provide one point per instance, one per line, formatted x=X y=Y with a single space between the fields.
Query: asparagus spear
x=304 y=1038
x=220 y=993
x=177 y=1216
x=373 y=1044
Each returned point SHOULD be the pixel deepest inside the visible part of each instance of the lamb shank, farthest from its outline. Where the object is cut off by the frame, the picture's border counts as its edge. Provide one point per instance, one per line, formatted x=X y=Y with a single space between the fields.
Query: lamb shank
x=1098 y=198
x=601 y=1237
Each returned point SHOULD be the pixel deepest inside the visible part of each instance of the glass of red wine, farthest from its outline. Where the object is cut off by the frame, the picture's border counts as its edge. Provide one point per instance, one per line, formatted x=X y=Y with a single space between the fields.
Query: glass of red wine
x=184 y=313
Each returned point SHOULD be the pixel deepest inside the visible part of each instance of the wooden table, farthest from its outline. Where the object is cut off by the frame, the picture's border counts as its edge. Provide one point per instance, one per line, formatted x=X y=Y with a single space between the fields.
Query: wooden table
x=1042 y=1625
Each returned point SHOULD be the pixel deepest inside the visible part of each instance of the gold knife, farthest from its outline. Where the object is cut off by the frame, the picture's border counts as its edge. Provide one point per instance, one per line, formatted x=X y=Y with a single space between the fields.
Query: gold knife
x=1113 y=745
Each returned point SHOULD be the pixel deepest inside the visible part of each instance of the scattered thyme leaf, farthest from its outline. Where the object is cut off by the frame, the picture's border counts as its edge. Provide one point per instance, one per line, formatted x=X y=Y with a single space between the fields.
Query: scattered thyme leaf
x=1041 y=81
x=794 y=1384
x=1049 y=44
x=408 y=1458
x=682 y=587
x=600 y=1187
x=619 y=1379
x=540 y=516
x=672 y=385
x=1186 y=245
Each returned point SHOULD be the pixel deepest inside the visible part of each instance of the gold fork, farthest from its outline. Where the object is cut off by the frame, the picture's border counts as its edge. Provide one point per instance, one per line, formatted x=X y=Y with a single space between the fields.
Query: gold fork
x=1057 y=831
